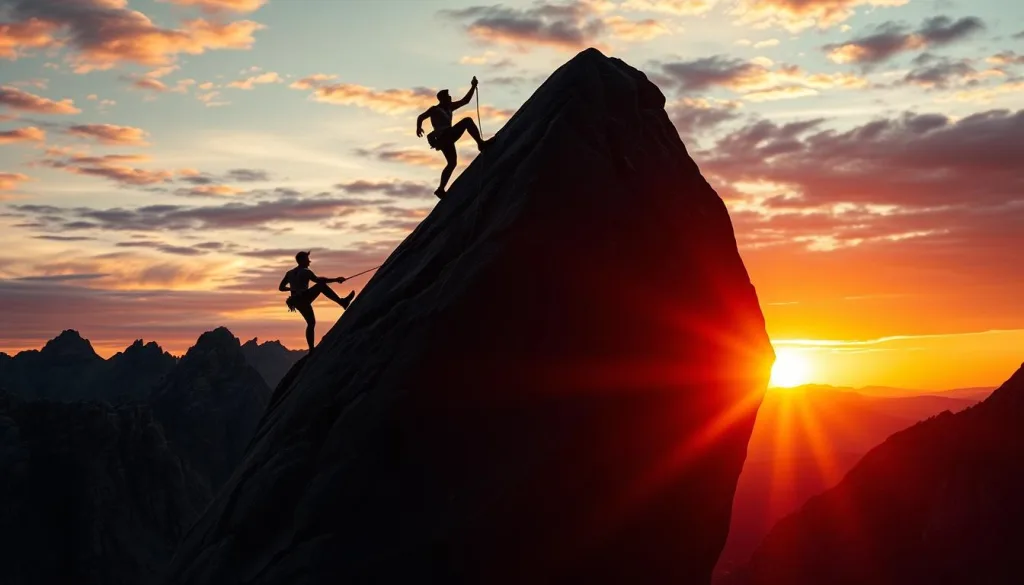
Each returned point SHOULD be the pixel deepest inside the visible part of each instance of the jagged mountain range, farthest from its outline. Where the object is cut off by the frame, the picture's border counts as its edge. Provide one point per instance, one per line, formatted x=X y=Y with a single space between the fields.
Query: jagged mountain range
x=106 y=463
x=68 y=369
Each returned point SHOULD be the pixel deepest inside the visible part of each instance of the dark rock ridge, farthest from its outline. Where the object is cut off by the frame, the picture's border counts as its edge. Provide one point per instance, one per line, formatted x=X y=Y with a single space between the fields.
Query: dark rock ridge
x=938 y=503
x=67 y=369
x=210 y=403
x=271 y=359
x=90 y=494
x=826 y=431
x=552 y=380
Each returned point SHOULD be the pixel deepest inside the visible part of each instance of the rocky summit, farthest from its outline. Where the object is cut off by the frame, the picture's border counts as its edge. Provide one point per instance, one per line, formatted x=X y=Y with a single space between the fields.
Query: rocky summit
x=553 y=379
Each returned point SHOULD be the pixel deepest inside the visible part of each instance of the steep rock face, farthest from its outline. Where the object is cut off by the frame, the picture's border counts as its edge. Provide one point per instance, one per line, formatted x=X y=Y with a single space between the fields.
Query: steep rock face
x=938 y=503
x=90 y=494
x=209 y=405
x=271 y=359
x=552 y=380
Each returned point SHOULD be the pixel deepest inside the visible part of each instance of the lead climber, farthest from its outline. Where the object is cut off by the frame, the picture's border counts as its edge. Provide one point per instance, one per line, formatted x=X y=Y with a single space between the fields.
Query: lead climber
x=444 y=136
x=296 y=281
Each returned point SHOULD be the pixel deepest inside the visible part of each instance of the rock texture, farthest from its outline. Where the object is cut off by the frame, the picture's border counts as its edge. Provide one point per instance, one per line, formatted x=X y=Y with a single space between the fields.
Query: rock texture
x=210 y=404
x=271 y=359
x=552 y=380
x=89 y=493
x=938 y=503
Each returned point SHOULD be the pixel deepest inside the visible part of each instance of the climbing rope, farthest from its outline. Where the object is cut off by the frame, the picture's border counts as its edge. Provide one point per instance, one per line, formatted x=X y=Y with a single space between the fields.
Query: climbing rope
x=479 y=123
x=363 y=272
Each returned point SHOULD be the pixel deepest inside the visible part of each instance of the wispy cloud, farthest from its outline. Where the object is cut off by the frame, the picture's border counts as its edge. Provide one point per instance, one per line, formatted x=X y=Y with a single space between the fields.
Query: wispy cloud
x=103 y=33
x=798 y=15
x=26 y=134
x=110 y=134
x=891 y=39
x=17 y=99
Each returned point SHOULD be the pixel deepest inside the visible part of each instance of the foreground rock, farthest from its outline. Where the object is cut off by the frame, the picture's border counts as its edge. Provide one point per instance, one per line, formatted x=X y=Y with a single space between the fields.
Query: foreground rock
x=90 y=494
x=552 y=380
x=939 y=503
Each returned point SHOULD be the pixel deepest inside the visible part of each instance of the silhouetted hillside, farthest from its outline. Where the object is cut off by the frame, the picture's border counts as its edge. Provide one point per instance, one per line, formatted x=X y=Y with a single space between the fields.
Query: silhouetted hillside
x=804 y=442
x=490 y=410
x=938 y=503
x=90 y=494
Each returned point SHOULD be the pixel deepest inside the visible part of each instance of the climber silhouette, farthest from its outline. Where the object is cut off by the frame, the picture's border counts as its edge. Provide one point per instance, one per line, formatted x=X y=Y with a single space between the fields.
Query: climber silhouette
x=302 y=296
x=444 y=135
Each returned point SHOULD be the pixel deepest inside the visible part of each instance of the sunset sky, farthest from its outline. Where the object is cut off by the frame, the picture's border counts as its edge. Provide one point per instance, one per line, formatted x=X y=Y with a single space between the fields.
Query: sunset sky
x=161 y=161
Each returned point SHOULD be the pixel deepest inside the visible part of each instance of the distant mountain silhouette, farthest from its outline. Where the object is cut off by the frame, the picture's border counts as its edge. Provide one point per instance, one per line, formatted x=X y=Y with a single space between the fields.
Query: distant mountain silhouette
x=493 y=408
x=804 y=442
x=938 y=503
x=68 y=370
x=89 y=493
x=271 y=359
x=94 y=493
x=210 y=403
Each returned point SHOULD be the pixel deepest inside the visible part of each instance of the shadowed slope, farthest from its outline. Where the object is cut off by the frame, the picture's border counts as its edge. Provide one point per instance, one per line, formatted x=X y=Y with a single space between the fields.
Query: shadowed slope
x=938 y=503
x=552 y=380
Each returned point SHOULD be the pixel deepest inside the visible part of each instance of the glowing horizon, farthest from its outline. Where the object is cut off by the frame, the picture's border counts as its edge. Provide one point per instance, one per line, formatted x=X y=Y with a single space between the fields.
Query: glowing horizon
x=161 y=161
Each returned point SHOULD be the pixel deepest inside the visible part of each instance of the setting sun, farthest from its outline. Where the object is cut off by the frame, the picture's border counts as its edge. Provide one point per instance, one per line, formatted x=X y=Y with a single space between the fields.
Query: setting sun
x=792 y=368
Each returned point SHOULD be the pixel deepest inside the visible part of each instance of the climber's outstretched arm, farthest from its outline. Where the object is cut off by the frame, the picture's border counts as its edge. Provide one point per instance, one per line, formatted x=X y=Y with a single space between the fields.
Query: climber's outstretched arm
x=465 y=100
x=420 y=119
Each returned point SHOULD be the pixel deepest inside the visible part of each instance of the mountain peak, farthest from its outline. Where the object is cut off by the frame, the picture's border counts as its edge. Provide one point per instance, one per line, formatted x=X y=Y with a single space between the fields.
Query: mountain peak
x=496 y=425
x=69 y=344
x=218 y=339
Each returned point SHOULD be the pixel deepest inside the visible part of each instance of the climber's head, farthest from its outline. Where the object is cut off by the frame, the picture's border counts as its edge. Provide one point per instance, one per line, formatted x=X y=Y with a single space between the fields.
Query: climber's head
x=443 y=98
x=302 y=259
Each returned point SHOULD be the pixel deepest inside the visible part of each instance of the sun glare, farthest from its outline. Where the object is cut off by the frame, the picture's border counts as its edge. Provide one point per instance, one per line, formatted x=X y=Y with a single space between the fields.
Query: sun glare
x=791 y=368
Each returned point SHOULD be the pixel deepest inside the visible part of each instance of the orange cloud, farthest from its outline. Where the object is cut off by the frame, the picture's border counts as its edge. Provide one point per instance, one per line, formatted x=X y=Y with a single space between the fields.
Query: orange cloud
x=313 y=81
x=110 y=134
x=9 y=181
x=758 y=79
x=389 y=153
x=15 y=37
x=17 y=99
x=568 y=26
x=679 y=7
x=1006 y=58
x=215 y=6
x=115 y=167
x=250 y=82
x=211 y=190
x=636 y=30
x=387 y=101
x=798 y=15
x=27 y=134
x=106 y=32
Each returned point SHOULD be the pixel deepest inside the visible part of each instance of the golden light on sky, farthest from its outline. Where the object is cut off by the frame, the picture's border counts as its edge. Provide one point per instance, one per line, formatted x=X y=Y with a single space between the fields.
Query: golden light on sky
x=156 y=190
x=792 y=368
